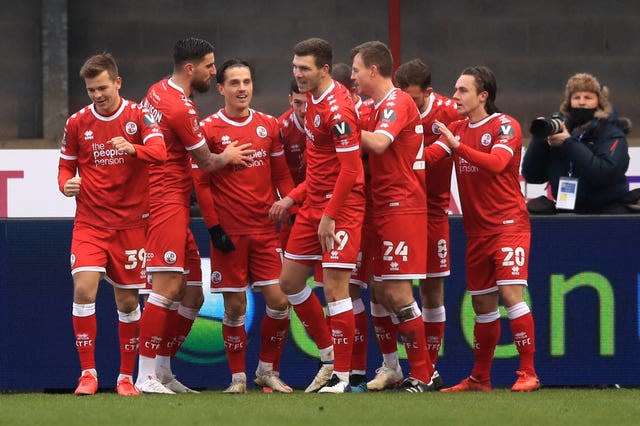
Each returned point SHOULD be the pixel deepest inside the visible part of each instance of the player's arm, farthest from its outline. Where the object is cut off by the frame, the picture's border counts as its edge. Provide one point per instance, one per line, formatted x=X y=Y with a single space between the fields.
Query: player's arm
x=280 y=209
x=375 y=142
x=68 y=182
x=204 y=196
x=436 y=152
x=233 y=154
x=494 y=161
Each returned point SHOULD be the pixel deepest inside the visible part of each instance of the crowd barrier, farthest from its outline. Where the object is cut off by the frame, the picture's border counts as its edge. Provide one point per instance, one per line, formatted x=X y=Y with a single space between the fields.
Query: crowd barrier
x=584 y=290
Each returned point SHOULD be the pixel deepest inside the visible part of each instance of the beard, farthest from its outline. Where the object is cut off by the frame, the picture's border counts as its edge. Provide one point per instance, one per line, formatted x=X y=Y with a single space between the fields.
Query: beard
x=201 y=86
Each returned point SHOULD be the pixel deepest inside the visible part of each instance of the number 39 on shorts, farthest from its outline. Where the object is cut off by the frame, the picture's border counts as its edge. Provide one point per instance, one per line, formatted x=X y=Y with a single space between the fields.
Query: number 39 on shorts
x=133 y=256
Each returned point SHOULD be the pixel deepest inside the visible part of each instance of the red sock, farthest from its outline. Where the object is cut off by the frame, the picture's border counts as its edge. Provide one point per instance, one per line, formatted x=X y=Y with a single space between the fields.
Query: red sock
x=359 y=357
x=235 y=345
x=128 y=333
x=433 y=332
x=85 y=330
x=273 y=334
x=169 y=335
x=343 y=330
x=486 y=337
x=386 y=334
x=412 y=334
x=312 y=317
x=522 y=329
x=152 y=328
x=182 y=328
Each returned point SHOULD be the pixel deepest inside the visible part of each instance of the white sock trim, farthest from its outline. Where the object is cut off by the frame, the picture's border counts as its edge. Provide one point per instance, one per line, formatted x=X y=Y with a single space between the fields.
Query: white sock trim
x=160 y=301
x=233 y=322
x=298 y=298
x=378 y=310
x=189 y=313
x=518 y=310
x=129 y=317
x=487 y=318
x=83 y=310
x=438 y=314
x=340 y=306
x=276 y=314
x=174 y=306
x=358 y=306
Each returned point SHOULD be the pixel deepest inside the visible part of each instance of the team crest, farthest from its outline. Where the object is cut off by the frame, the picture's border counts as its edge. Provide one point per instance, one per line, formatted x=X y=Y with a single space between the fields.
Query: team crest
x=261 y=131
x=131 y=128
x=434 y=129
x=170 y=257
x=72 y=259
x=485 y=140
x=316 y=120
x=216 y=277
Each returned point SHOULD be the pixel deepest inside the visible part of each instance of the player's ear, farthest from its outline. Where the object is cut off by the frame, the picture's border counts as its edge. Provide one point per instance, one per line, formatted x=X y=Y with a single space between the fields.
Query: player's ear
x=220 y=88
x=188 y=68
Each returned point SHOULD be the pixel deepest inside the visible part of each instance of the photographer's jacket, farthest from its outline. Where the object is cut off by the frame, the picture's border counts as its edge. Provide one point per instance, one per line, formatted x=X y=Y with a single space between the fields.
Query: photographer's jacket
x=597 y=154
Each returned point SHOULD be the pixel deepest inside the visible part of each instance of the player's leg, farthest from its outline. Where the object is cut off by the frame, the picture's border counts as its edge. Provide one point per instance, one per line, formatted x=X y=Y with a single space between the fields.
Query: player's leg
x=434 y=317
x=235 y=339
x=390 y=373
x=128 y=332
x=273 y=334
x=358 y=375
x=85 y=289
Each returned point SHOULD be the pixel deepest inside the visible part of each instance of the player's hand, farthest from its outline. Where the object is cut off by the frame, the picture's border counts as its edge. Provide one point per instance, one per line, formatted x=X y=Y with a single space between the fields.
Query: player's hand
x=120 y=144
x=72 y=186
x=444 y=131
x=326 y=233
x=279 y=211
x=220 y=239
x=238 y=154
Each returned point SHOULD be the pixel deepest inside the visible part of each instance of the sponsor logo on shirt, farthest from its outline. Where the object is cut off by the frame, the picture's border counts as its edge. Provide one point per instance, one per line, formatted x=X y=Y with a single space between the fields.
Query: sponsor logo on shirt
x=106 y=155
x=465 y=167
x=225 y=139
x=88 y=135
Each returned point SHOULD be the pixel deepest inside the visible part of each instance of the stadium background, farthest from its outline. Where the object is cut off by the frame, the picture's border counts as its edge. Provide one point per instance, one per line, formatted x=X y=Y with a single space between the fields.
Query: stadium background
x=532 y=46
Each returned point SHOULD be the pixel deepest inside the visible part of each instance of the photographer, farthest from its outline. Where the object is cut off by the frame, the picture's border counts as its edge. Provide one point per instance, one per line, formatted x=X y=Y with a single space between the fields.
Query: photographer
x=586 y=156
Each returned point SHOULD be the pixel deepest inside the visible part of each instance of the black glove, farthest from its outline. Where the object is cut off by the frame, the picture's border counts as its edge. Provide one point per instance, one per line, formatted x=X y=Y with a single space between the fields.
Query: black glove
x=220 y=239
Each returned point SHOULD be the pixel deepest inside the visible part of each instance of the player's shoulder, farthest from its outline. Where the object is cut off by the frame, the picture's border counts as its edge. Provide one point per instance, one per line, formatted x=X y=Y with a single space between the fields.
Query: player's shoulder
x=82 y=114
x=211 y=120
x=285 y=116
x=503 y=119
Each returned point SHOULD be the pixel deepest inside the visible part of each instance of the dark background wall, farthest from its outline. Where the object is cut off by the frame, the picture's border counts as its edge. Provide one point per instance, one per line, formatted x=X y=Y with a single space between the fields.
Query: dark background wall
x=533 y=47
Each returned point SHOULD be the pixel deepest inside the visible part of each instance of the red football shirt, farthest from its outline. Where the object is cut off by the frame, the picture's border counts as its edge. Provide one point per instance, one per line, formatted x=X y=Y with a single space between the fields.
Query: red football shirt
x=334 y=169
x=114 y=192
x=242 y=195
x=294 y=141
x=178 y=119
x=487 y=167
x=397 y=175
x=439 y=173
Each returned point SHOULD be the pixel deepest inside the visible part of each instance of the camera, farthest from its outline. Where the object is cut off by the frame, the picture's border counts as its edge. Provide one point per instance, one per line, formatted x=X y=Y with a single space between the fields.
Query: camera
x=543 y=127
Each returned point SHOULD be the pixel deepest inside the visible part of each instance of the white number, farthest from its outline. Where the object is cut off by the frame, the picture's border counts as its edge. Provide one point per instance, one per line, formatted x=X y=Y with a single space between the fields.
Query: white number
x=513 y=257
x=343 y=237
x=133 y=256
x=402 y=249
x=419 y=163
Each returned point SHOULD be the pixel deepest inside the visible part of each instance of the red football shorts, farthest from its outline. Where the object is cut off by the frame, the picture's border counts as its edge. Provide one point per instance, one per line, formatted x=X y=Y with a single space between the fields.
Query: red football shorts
x=363 y=273
x=167 y=239
x=256 y=261
x=119 y=254
x=400 y=247
x=304 y=247
x=438 y=257
x=501 y=259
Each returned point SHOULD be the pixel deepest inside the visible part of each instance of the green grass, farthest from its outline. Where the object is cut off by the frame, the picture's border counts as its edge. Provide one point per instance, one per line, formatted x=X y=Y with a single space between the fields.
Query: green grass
x=544 y=408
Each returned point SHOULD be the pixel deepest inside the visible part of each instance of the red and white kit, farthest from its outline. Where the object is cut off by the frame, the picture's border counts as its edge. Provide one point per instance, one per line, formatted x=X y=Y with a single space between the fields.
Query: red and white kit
x=239 y=199
x=113 y=203
x=171 y=183
x=495 y=214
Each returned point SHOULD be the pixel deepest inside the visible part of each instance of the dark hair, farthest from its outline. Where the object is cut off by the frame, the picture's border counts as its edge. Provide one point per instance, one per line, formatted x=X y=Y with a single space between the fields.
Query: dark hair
x=97 y=64
x=414 y=72
x=190 y=50
x=375 y=53
x=341 y=72
x=232 y=63
x=293 y=87
x=485 y=82
x=318 y=48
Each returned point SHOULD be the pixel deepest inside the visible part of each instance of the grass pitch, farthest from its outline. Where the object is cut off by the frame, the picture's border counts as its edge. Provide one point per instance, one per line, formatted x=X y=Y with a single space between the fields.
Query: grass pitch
x=545 y=407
